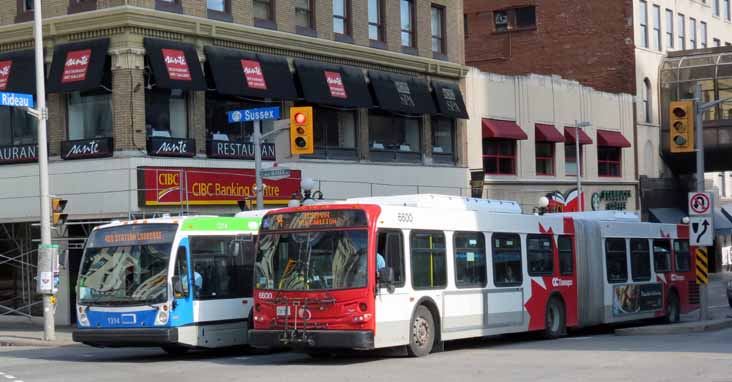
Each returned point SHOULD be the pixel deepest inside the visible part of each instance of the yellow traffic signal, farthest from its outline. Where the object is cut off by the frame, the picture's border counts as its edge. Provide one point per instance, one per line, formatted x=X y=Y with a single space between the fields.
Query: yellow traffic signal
x=681 y=126
x=301 y=130
x=58 y=217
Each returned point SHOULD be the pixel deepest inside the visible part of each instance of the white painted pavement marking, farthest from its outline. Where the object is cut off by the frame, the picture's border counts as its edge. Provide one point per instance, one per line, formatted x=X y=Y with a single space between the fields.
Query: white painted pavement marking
x=8 y=376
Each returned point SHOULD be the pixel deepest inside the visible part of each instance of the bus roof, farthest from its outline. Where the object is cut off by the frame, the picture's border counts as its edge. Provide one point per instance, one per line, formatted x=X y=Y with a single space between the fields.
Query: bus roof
x=456 y=203
x=244 y=222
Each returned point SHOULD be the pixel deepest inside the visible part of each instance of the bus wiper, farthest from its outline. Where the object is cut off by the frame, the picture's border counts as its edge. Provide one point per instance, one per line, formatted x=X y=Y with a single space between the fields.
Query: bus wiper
x=101 y=294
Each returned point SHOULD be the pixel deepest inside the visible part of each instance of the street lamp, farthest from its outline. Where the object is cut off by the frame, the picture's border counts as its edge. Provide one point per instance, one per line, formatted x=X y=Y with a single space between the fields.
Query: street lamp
x=308 y=196
x=577 y=126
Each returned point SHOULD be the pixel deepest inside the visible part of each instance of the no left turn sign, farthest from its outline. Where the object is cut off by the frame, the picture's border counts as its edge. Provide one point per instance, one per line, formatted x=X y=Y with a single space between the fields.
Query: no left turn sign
x=700 y=203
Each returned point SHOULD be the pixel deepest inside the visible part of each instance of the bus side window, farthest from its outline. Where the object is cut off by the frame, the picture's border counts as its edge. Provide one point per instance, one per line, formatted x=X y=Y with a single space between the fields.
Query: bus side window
x=470 y=262
x=391 y=248
x=429 y=260
x=218 y=268
x=661 y=256
x=507 y=259
x=181 y=271
x=640 y=260
x=616 y=261
x=566 y=259
x=681 y=253
x=540 y=255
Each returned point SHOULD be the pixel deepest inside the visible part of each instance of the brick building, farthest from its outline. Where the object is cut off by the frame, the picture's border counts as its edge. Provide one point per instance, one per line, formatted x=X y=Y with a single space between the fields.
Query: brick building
x=139 y=90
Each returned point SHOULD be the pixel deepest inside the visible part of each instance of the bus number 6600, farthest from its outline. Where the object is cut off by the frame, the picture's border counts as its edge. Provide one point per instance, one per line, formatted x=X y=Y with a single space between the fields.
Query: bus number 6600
x=405 y=217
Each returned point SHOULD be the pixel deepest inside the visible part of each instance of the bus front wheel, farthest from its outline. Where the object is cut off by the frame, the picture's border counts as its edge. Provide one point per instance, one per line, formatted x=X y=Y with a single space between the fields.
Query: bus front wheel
x=175 y=349
x=421 y=333
x=555 y=319
x=673 y=310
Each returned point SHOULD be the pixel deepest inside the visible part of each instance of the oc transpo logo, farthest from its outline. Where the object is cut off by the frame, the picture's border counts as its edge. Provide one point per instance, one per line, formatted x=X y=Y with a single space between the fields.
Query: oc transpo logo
x=557 y=282
x=175 y=61
x=5 y=73
x=253 y=74
x=76 y=66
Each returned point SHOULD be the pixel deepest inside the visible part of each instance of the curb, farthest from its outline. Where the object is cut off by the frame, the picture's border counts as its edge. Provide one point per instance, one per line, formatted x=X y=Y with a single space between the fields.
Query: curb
x=13 y=341
x=686 y=327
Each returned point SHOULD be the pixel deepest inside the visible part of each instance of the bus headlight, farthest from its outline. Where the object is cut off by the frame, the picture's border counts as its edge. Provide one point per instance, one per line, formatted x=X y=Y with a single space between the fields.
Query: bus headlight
x=162 y=317
x=81 y=317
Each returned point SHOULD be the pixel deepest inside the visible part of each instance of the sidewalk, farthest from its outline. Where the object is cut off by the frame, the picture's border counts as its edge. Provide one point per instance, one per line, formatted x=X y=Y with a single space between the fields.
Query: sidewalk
x=21 y=331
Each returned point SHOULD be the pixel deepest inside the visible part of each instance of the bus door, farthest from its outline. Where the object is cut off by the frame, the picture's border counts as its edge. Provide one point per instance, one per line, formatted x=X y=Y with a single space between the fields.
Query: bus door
x=506 y=300
x=392 y=299
x=182 y=309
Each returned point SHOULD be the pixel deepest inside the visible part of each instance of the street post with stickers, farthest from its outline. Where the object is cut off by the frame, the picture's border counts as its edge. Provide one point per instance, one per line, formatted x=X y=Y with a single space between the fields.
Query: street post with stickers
x=701 y=237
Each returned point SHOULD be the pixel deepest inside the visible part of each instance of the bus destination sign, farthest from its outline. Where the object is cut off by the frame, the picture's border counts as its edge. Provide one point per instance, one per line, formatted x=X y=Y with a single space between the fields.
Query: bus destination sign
x=315 y=220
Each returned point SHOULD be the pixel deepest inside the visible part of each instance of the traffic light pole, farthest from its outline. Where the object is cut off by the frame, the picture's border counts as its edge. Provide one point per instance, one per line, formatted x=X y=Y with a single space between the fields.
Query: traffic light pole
x=257 y=138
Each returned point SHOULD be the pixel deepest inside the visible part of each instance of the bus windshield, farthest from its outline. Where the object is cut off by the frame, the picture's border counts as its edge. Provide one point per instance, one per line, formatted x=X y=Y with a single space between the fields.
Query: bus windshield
x=295 y=253
x=126 y=265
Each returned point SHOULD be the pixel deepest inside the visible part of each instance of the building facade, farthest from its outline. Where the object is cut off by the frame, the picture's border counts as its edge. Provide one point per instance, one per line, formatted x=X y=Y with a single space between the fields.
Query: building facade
x=522 y=141
x=140 y=94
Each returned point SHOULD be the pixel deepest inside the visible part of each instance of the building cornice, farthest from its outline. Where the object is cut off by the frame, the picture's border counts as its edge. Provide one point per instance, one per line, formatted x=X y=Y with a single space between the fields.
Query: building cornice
x=149 y=22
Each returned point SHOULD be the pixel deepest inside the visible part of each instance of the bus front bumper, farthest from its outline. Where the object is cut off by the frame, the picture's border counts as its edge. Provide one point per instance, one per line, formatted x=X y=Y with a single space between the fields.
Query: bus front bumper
x=126 y=337
x=326 y=339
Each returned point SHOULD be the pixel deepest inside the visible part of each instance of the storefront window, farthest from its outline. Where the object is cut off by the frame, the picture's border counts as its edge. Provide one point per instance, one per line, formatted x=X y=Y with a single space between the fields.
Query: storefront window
x=218 y=127
x=18 y=127
x=443 y=139
x=166 y=113
x=89 y=114
x=394 y=137
x=335 y=134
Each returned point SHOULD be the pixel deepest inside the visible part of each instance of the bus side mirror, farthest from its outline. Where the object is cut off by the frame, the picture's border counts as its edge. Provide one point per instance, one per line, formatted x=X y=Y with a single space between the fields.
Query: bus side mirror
x=177 y=286
x=386 y=278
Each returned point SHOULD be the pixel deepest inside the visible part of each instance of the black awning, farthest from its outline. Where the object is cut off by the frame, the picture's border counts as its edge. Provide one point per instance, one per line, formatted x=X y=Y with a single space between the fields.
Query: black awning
x=174 y=64
x=334 y=85
x=449 y=99
x=401 y=94
x=78 y=66
x=240 y=73
x=18 y=72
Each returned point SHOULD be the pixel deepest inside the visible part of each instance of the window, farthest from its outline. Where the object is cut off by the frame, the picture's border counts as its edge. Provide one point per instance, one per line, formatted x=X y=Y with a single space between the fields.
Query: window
x=169 y=5
x=647 y=114
x=429 y=262
x=166 y=113
x=525 y=17
x=657 y=27
x=470 y=261
x=570 y=159
x=407 y=23
x=640 y=260
x=669 y=29
x=443 y=138
x=335 y=133
x=89 y=114
x=181 y=271
x=342 y=17
x=566 y=255
x=717 y=43
x=222 y=267
x=616 y=260
x=716 y=7
x=515 y=18
x=682 y=31
x=376 y=20
x=391 y=248
x=608 y=161
x=499 y=157
x=726 y=10
x=703 y=32
x=438 y=29
x=682 y=255
x=304 y=14
x=27 y=5
x=661 y=256
x=394 y=137
x=643 y=17
x=18 y=127
x=76 y=6
x=217 y=5
x=263 y=10
x=539 y=255
x=692 y=32
x=544 y=158
x=217 y=124
x=507 y=269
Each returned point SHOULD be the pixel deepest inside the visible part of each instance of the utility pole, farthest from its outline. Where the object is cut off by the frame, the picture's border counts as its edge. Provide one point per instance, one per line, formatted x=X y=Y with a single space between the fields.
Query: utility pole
x=699 y=131
x=580 y=197
x=45 y=253
x=257 y=138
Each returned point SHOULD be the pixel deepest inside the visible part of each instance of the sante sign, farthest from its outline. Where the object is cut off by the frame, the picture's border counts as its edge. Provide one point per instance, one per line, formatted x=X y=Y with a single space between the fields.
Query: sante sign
x=335 y=84
x=76 y=66
x=253 y=74
x=175 y=61
x=173 y=186
x=5 y=73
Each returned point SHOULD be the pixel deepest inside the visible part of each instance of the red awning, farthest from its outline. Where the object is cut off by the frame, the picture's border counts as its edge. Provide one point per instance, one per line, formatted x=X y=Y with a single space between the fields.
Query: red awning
x=498 y=129
x=611 y=139
x=569 y=134
x=547 y=133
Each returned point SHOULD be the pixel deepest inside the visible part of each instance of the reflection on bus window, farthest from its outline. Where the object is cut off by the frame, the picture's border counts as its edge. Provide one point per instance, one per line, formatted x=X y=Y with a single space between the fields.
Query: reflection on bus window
x=470 y=262
x=181 y=270
x=662 y=256
x=566 y=260
x=683 y=259
x=507 y=259
x=390 y=246
x=616 y=261
x=429 y=262
x=640 y=260
x=539 y=254
x=221 y=267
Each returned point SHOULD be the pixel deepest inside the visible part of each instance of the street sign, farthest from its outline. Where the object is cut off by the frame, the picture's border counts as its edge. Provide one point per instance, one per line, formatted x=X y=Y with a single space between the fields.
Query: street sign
x=249 y=115
x=16 y=99
x=702 y=266
x=700 y=203
x=701 y=231
x=276 y=173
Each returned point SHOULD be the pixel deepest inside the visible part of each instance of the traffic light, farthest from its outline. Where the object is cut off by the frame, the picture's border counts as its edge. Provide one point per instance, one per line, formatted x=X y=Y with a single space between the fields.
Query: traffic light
x=681 y=124
x=58 y=217
x=301 y=130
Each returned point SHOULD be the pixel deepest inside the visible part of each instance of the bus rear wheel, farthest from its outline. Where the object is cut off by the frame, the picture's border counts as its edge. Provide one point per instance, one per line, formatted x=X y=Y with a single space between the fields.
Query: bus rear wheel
x=673 y=310
x=421 y=333
x=555 y=319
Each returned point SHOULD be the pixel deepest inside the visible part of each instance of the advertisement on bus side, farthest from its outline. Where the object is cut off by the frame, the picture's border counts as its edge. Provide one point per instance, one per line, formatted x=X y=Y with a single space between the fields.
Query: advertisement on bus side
x=630 y=299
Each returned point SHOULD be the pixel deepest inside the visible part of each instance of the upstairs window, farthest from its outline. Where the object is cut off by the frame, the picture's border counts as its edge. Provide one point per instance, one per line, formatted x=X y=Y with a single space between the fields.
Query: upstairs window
x=682 y=31
x=515 y=19
x=18 y=127
x=90 y=114
x=166 y=113
x=643 y=18
x=437 y=25
x=341 y=17
x=376 y=20
x=657 y=28
x=669 y=29
x=545 y=158
x=499 y=157
x=692 y=32
x=407 y=23
x=609 y=161
x=263 y=10
x=304 y=14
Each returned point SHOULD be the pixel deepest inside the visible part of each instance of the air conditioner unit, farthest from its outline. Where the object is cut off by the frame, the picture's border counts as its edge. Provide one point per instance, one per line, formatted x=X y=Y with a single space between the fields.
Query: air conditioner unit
x=501 y=19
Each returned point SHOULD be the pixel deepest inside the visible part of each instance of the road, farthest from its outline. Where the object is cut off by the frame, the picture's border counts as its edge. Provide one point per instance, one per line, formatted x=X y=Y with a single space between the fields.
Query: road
x=596 y=355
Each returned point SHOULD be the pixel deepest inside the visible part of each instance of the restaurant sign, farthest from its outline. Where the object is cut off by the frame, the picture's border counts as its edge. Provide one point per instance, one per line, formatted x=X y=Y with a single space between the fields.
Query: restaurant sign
x=18 y=154
x=173 y=186
x=237 y=150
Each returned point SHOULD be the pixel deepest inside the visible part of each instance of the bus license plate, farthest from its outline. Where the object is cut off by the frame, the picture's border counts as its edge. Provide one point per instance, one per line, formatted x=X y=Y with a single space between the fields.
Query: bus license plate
x=283 y=310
